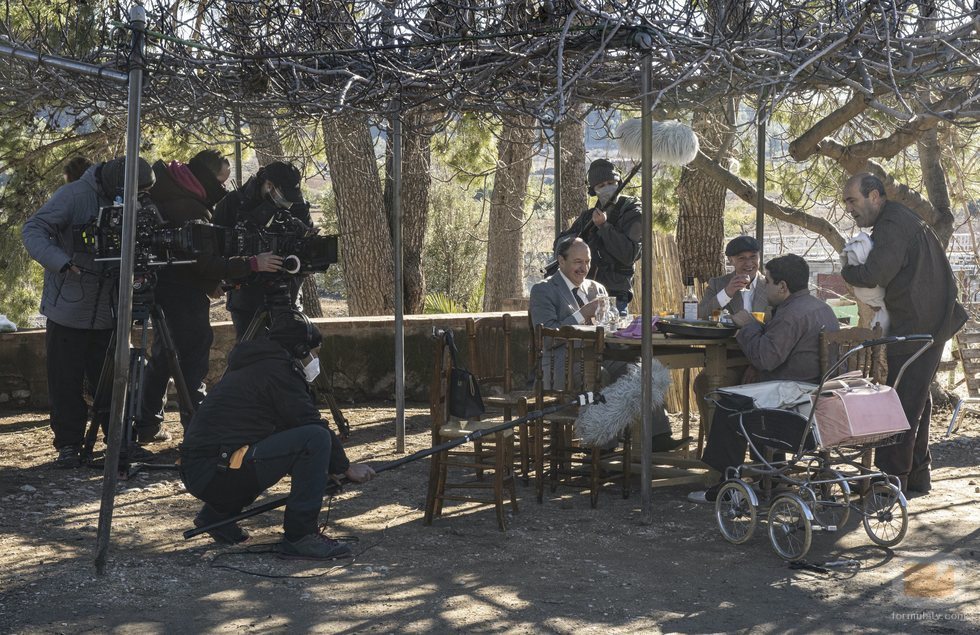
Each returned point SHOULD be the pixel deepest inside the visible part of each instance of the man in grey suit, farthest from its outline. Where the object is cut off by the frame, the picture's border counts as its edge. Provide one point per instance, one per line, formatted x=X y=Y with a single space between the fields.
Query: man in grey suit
x=745 y=287
x=569 y=298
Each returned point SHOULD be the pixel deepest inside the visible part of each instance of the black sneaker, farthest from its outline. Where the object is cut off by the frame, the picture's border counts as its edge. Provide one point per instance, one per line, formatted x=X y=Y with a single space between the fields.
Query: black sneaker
x=143 y=437
x=664 y=443
x=314 y=547
x=69 y=456
x=229 y=534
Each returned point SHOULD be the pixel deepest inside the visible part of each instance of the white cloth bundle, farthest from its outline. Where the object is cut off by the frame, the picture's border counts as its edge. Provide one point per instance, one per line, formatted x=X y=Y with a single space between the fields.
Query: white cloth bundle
x=600 y=424
x=856 y=251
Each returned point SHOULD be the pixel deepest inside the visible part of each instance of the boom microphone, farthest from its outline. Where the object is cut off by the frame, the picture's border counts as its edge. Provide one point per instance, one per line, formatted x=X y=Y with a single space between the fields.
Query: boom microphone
x=674 y=143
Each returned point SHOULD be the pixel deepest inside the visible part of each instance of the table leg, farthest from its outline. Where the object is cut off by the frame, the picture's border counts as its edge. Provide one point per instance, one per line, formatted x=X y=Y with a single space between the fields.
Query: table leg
x=715 y=366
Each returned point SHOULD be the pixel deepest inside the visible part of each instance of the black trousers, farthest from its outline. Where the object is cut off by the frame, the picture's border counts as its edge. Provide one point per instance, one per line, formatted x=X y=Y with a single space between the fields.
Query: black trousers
x=911 y=457
x=187 y=312
x=303 y=453
x=75 y=356
x=725 y=447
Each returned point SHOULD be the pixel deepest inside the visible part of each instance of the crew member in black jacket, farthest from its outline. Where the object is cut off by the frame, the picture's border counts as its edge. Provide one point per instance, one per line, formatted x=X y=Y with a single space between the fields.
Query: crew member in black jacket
x=188 y=193
x=274 y=188
x=259 y=423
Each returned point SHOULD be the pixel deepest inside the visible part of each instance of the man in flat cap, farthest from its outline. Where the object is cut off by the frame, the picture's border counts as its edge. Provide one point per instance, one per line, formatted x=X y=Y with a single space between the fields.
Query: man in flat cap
x=743 y=288
x=613 y=232
x=77 y=298
x=274 y=189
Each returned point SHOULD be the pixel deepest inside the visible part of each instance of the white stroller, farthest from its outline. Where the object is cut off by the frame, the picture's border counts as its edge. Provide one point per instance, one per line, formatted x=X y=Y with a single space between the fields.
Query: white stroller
x=824 y=431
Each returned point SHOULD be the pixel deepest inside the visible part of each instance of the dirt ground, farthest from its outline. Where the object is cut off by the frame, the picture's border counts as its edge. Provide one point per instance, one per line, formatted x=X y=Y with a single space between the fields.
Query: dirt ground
x=561 y=567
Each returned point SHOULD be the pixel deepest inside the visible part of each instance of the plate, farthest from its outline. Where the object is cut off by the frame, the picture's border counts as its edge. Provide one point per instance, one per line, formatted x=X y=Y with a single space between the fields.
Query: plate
x=701 y=329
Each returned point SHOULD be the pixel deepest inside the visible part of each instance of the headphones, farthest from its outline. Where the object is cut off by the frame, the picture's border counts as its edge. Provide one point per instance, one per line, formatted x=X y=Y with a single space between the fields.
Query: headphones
x=302 y=349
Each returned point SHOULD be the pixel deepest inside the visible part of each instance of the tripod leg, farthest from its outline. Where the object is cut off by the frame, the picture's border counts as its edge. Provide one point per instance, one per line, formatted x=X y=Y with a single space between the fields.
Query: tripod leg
x=173 y=361
x=105 y=383
x=323 y=392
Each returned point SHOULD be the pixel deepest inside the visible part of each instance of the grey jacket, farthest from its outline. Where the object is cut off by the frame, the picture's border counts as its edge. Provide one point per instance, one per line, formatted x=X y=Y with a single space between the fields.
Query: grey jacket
x=909 y=262
x=69 y=299
x=788 y=345
x=553 y=306
x=709 y=300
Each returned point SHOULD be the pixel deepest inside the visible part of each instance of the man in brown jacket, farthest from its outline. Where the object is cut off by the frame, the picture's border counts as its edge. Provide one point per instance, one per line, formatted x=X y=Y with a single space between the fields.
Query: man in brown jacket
x=920 y=295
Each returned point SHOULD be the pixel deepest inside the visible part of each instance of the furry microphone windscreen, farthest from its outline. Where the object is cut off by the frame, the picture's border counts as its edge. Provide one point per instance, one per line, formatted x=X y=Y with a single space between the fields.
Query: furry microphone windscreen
x=600 y=424
x=674 y=143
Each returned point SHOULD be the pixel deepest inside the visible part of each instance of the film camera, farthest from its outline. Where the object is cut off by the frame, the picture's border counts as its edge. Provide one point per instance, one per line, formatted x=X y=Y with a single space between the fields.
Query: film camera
x=303 y=248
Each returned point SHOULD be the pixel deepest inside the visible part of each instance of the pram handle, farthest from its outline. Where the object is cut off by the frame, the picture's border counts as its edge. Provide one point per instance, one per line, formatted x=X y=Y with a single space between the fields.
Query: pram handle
x=896 y=338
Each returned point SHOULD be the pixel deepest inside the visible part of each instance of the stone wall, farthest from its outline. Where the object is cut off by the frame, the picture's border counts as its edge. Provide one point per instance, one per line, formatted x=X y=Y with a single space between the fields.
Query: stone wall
x=357 y=357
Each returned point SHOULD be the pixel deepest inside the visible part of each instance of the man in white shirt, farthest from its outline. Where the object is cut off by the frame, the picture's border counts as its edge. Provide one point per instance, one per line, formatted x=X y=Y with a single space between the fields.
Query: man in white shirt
x=567 y=297
x=745 y=287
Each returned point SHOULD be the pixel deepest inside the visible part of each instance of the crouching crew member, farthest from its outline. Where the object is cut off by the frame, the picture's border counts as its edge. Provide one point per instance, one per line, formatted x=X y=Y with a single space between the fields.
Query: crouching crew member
x=259 y=423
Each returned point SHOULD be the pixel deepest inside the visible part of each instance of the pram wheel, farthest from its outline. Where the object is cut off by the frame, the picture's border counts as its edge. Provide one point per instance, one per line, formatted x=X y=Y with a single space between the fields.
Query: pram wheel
x=736 y=510
x=790 y=527
x=886 y=514
x=829 y=497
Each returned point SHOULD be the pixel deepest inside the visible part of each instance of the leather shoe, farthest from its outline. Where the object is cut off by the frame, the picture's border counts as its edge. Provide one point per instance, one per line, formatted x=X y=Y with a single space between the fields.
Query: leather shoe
x=664 y=443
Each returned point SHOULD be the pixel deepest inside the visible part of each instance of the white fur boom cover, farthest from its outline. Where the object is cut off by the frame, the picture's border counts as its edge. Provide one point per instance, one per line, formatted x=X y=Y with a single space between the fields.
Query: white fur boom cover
x=600 y=424
x=674 y=143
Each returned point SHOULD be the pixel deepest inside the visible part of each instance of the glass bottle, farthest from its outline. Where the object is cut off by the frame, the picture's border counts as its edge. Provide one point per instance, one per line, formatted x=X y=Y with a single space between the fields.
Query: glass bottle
x=689 y=306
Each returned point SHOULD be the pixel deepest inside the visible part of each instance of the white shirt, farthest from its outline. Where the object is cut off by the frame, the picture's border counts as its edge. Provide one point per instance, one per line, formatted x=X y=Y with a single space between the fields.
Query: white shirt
x=747 y=294
x=581 y=294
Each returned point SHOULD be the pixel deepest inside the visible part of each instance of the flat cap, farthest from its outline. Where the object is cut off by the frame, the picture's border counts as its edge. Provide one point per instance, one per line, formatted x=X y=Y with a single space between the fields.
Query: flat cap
x=741 y=243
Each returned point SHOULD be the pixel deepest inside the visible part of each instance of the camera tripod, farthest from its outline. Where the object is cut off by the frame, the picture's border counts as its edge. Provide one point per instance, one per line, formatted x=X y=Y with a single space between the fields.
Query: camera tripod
x=145 y=311
x=278 y=299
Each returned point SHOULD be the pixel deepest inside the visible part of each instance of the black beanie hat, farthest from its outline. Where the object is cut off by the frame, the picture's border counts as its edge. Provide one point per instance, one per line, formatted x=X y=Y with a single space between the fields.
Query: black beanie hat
x=601 y=171
x=295 y=333
x=286 y=177
x=113 y=175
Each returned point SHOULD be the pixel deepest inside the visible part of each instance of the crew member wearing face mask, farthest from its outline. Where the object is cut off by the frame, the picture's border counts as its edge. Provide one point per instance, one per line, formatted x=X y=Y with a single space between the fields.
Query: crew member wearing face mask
x=613 y=232
x=260 y=423
x=274 y=188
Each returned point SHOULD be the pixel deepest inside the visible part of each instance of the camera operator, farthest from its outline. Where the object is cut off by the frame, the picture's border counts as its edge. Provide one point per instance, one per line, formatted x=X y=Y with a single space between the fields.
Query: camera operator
x=77 y=299
x=274 y=188
x=187 y=193
x=259 y=423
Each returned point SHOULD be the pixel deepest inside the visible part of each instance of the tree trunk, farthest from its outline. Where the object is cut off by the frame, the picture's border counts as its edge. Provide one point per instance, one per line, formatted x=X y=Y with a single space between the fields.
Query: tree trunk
x=574 y=194
x=505 y=256
x=416 y=161
x=365 y=241
x=265 y=139
x=310 y=297
x=701 y=198
x=934 y=181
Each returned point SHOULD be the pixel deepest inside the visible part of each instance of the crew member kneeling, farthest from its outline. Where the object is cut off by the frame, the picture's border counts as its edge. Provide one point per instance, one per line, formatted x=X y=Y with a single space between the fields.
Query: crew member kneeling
x=259 y=423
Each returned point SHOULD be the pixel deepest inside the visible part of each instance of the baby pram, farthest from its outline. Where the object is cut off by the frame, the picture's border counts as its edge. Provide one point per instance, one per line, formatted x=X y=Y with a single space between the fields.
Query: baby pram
x=821 y=432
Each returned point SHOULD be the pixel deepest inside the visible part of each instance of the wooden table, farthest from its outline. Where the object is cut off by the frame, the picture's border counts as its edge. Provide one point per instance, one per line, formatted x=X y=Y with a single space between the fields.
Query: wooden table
x=715 y=356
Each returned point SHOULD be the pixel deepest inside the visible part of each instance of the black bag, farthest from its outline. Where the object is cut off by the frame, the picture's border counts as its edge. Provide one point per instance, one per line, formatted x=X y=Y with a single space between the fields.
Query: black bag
x=465 y=401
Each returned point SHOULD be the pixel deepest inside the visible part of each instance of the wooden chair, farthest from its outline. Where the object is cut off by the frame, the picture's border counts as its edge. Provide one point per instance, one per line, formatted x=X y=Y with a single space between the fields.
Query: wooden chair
x=968 y=349
x=871 y=362
x=470 y=465
x=490 y=360
x=570 y=362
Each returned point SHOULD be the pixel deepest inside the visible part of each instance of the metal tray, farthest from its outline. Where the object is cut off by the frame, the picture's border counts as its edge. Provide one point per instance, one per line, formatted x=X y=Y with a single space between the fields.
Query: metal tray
x=700 y=329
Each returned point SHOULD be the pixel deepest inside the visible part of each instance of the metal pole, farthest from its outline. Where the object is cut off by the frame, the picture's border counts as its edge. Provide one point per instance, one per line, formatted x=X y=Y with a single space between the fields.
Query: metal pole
x=238 y=150
x=63 y=63
x=646 y=301
x=124 y=307
x=760 y=177
x=396 y=221
x=557 y=133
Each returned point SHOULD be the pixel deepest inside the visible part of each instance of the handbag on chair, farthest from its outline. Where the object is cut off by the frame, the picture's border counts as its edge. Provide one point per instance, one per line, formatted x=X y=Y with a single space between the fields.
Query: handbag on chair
x=465 y=401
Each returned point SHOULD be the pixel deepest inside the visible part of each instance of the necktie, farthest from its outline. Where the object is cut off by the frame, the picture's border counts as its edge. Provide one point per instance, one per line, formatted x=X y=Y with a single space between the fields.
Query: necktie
x=578 y=298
